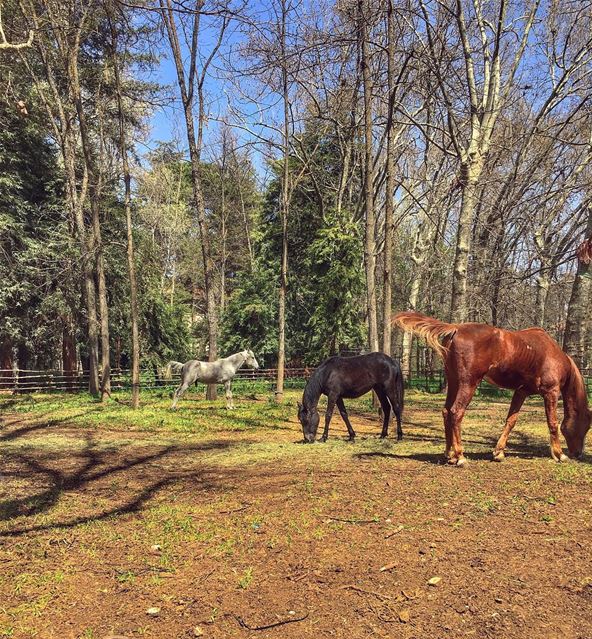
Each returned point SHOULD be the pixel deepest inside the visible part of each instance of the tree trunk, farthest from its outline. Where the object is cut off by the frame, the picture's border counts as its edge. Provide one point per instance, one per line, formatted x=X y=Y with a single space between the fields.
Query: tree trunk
x=370 y=226
x=408 y=337
x=459 y=300
x=102 y=298
x=6 y=363
x=75 y=203
x=387 y=281
x=543 y=283
x=187 y=89
x=574 y=341
x=223 y=260
x=423 y=237
x=69 y=359
x=131 y=266
x=285 y=204
x=95 y=241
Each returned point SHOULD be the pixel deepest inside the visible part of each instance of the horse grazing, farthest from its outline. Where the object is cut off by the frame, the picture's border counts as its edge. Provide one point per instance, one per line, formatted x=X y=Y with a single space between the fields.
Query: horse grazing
x=339 y=377
x=529 y=362
x=222 y=371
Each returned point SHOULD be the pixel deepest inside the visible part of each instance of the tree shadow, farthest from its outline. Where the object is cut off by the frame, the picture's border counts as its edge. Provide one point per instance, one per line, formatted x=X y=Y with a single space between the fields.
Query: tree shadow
x=38 y=425
x=97 y=464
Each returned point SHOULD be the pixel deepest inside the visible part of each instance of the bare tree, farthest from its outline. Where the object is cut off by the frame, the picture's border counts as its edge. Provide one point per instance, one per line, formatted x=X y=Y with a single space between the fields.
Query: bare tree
x=574 y=342
x=124 y=153
x=192 y=70
x=363 y=17
x=58 y=48
x=488 y=78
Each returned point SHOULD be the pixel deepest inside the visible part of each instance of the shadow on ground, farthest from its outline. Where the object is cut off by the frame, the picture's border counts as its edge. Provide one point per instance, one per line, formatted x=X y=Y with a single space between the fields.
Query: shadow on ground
x=47 y=477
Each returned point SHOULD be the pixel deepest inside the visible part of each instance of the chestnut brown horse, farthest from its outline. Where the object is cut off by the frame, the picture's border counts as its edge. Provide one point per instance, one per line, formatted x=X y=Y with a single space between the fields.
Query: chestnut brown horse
x=529 y=362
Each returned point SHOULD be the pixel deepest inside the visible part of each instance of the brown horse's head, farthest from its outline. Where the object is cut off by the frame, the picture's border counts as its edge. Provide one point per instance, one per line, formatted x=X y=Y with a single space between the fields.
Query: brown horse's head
x=577 y=415
x=309 y=418
x=575 y=431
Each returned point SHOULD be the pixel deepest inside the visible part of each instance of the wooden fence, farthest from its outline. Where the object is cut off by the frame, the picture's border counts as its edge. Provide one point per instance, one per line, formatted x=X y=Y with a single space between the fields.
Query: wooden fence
x=31 y=381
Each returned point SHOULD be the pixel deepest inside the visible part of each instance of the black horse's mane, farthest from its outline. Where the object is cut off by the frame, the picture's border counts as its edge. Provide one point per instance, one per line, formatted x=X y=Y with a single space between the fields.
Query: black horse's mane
x=312 y=390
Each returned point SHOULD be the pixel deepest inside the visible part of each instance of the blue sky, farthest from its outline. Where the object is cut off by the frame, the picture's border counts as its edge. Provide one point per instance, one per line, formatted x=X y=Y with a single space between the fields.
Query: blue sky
x=167 y=123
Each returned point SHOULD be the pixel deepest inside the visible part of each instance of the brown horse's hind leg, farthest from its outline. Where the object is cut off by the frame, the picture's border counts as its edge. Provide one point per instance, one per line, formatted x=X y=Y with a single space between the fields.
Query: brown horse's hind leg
x=551 y=398
x=451 y=391
x=456 y=413
x=515 y=406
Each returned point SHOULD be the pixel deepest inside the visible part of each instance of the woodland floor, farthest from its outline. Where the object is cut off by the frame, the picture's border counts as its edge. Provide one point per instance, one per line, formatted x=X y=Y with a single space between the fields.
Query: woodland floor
x=225 y=523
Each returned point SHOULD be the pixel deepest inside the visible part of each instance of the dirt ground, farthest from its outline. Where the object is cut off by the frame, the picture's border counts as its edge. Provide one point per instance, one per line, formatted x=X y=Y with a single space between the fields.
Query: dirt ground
x=232 y=526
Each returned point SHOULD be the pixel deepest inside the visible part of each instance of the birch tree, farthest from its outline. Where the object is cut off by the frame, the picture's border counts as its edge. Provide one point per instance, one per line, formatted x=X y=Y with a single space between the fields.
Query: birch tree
x=492 y=48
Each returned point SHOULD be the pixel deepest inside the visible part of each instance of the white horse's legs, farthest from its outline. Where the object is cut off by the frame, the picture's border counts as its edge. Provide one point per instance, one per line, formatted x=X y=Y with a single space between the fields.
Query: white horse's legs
x=184 y=386
x=229 y=400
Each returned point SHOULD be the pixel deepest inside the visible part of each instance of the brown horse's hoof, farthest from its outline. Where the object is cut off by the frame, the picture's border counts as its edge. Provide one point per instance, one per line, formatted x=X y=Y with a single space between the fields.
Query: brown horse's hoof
x=457 y=461
x=563 y=458
x=498 y=455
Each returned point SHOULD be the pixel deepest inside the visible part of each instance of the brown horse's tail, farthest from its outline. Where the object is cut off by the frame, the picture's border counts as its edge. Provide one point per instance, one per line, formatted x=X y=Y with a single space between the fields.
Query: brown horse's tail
x=426 y=327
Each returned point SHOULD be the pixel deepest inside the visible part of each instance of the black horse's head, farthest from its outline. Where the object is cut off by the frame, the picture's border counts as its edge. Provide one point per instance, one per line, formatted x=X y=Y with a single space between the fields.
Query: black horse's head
x=309 y=418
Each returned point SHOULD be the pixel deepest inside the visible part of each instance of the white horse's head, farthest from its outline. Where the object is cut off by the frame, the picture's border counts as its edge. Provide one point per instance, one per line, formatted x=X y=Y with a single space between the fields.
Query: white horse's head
x=250 y=360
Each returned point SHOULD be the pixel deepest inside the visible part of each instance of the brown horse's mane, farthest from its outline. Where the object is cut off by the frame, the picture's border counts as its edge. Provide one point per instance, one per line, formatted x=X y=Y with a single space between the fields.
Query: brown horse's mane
x=428 y=328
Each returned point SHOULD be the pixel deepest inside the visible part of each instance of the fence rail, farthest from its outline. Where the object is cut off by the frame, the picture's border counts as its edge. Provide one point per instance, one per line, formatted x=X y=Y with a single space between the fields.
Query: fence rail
x=31 y=381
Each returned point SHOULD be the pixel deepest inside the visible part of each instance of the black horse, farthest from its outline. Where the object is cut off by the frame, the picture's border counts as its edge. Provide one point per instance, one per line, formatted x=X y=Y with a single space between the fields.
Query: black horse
x=339 y=377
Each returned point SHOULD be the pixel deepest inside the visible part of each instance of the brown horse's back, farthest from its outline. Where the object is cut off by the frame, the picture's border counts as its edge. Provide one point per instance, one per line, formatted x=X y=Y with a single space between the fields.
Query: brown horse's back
x=528 y=359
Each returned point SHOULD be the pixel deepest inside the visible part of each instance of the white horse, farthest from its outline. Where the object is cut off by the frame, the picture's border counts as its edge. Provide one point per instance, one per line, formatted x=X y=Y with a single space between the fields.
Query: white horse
x=222 y=371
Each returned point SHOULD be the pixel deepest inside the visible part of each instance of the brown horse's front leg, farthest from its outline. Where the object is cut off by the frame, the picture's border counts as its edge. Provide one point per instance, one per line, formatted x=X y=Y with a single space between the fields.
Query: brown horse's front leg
x=515 y=406
x=447 y=432
x=551 y=398
x=328 y=415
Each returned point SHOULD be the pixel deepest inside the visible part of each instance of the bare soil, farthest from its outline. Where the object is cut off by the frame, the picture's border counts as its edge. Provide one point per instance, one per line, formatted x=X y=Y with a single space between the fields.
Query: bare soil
x=229 y=533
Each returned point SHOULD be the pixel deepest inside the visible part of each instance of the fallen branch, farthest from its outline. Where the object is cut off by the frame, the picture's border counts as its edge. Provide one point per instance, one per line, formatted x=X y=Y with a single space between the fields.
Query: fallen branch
x=352 y=521
x=366 y=592
x=235 y=510
x=243 y=624
x=394 y=532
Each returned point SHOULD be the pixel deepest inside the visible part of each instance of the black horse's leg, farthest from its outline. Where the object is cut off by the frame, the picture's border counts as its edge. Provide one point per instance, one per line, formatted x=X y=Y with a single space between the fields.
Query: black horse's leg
x=344 y=416
x=386 y=410
x=328 y=415
x=395 y=397
x=397 y=412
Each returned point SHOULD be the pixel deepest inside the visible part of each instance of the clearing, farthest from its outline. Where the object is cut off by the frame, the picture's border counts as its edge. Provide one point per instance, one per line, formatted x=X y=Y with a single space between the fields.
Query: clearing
x=224 y=524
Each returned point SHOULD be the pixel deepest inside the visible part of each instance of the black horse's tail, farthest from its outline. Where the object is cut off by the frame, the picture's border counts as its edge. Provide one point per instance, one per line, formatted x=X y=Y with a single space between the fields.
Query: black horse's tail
x=399 y=388
x=397 y=396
